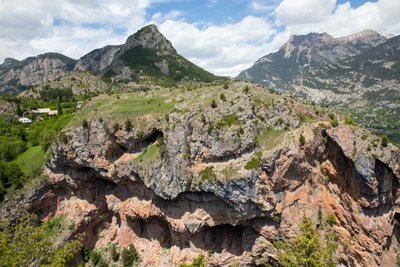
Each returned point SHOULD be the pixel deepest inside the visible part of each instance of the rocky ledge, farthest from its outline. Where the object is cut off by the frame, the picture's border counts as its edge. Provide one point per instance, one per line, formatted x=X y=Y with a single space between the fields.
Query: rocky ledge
x=224 y=173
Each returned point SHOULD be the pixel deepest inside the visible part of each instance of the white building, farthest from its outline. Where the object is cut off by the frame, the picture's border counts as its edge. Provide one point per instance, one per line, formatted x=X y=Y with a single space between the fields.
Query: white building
x=45 y=111
x=25 y=120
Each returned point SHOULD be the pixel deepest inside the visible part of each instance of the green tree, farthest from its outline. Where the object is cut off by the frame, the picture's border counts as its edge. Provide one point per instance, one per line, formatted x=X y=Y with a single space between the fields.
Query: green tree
x=384 y=141
x=25 y=244
x=302 y=139
x=129 y=256
x=59 y=108
x=128 y=125
x=19 y=110
x=199 y=261
x=309 y=249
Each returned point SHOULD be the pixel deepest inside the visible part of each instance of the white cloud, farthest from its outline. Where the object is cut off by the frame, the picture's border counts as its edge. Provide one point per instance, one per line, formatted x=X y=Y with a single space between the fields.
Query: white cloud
x=263 y=6
x=223 y=48
x=291 y=12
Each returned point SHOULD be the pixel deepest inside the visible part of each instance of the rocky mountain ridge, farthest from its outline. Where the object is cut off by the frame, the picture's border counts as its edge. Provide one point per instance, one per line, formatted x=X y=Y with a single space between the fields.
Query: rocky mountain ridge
x=358 y=73
x=17 y=76
x=225 y=180
x=147 y=57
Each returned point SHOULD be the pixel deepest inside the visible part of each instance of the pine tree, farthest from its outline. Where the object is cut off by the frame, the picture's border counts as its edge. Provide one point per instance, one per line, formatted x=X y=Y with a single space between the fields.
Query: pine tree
x=309 y=248
x=59 y=108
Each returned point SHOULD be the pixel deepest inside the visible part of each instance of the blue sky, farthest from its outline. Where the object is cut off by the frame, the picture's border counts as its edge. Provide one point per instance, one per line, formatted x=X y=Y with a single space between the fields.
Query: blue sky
x=221 y=36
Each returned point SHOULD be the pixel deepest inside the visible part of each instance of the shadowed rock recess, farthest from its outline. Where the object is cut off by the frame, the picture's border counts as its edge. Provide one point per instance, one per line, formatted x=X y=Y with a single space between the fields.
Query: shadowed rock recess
x=224 y=180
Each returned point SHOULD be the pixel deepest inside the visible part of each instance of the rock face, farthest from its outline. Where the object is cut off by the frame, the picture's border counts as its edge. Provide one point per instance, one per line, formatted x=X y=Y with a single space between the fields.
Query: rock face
x=183 y=183
x=16 y=76
x=146 y=55
x=359 y=72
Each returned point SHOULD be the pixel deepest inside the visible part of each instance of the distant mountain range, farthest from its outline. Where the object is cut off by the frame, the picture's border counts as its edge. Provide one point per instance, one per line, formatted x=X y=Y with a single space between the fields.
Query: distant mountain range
x=146 y=57
x=359 y=73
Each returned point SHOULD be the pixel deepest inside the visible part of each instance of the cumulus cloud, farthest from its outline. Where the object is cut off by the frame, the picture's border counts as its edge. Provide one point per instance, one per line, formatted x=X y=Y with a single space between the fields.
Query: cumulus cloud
x=292 y=12
x=75 y=27
x=224 y=49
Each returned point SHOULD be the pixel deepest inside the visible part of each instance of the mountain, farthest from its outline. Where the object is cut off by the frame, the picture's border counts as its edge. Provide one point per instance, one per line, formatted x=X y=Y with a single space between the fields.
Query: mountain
x=227 y=173
x=304 y=54
x=17 y=76
x=146 y=56
x=358 y=73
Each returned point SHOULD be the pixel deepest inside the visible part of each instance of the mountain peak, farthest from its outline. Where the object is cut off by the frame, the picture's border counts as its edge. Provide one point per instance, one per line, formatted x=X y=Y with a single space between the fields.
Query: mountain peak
x=9 y=61
x=363 y=35
x=150 y=37
x=309 y=39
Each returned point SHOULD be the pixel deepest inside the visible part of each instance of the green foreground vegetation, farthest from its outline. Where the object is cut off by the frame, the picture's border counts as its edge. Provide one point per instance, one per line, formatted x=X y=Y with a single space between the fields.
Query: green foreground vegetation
x=27 y=244
x=23 y=146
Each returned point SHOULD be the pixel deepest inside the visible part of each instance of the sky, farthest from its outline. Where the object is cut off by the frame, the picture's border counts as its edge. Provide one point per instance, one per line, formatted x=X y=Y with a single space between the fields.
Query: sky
x=222 y=36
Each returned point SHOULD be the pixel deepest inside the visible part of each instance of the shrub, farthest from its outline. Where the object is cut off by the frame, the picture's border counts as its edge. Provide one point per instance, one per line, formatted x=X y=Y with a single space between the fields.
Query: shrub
x=384 y=141
x=348 y=120
x=226 y=86
x=63 y=138
x=95 y=257
x=24 y=243
x=246 y=90
x=308 y=249
x=102 y=263
x=200 y=261
x=331 y=219
x=222 y=97
x=128 y=125
x=114 y=253
x=116 y=126
x=85 y=124
x=213 y=104
x=302 y=139
x=129 y=256
x=208 y=174
x=255 y=162
x=334 y=122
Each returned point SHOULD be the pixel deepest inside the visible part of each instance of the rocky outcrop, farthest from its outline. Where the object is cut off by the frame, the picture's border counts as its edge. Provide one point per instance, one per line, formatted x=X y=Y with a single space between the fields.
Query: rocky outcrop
x=16 y=76
x=180 y=184
x=358 y=73
x=146 y=56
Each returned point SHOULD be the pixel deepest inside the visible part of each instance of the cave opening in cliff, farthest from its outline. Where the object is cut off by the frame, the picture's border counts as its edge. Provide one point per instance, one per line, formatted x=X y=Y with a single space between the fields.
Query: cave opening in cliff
x=153 y=137
x=233 y=239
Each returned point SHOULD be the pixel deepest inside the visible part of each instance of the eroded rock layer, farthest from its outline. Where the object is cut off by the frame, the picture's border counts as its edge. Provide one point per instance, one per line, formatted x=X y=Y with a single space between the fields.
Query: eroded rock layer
x=224 y=180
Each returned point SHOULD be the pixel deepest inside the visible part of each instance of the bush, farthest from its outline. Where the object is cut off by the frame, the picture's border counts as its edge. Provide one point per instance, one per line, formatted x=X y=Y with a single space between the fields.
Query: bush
x=384 y=141
x=116 y=126
x=128 y=125
x=129 y=256
x=255 y=162
x=114 y=253
x=308 y=249
x=213 y=104
x=208 y=174
x=222 y=97
x=246 y=90
x=334 y=122
x=226 y=86
x=22 y=243
x=331 y=219
x=348 y=120
x=85 y=124
x=95 y=257
x=302 y=139
x=200 y=261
